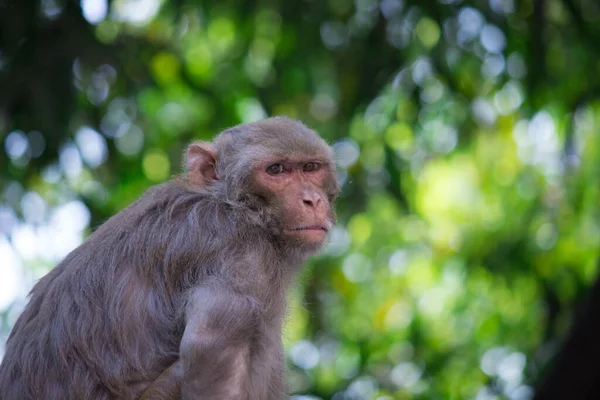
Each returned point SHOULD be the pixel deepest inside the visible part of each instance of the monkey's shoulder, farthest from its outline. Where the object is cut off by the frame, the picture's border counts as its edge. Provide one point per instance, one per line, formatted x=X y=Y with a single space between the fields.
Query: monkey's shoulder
x=157 y=205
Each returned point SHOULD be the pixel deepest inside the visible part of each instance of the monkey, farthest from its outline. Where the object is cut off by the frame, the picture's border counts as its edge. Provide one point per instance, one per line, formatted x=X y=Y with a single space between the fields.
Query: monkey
x=167 y=386
x=183 y=293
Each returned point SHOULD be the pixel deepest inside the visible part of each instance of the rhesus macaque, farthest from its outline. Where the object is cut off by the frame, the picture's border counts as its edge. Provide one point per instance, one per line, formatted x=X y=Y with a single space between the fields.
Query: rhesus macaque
x=182 y=294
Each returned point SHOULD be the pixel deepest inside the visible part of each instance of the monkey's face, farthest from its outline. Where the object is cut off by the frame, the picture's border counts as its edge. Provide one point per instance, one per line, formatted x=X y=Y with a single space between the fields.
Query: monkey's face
x=276 y=167
x=298 y=194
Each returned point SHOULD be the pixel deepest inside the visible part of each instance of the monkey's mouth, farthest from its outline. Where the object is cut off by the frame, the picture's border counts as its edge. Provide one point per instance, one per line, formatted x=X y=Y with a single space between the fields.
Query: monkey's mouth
x=311 y=228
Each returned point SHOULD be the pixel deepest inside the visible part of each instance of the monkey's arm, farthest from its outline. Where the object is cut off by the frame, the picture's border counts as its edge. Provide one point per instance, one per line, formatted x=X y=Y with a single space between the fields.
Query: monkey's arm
x=167 y=385
x=215 y=348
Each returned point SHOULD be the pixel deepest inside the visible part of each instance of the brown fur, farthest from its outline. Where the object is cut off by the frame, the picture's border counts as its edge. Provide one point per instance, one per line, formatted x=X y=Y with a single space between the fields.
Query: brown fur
x=183 y=292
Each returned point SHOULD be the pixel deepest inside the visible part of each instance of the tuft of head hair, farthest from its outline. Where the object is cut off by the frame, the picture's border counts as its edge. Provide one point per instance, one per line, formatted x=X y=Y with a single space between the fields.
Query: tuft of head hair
x=277 y=137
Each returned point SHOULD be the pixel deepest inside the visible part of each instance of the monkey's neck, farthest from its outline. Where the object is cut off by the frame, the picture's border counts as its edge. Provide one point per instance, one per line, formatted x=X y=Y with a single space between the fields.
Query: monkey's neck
x=261 y=270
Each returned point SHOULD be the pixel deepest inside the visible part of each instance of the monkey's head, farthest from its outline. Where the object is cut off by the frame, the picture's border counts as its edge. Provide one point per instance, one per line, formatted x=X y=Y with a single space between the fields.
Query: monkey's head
x=277 y=168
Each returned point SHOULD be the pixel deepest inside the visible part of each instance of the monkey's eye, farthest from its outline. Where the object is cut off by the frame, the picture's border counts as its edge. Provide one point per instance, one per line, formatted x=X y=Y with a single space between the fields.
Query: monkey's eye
x=311 y=167
x=275 y=169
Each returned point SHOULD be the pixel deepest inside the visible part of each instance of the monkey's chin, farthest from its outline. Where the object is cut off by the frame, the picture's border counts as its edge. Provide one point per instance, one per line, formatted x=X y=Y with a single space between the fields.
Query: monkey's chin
x=313 y=237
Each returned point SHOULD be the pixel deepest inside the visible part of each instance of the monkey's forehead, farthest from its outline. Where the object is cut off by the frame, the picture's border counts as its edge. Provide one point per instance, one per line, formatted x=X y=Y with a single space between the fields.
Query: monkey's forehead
x=261 y=156
x=293 y=150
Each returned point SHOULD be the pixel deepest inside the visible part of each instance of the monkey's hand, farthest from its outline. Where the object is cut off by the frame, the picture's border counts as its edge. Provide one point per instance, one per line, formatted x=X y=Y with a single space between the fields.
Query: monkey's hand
x=167 y=385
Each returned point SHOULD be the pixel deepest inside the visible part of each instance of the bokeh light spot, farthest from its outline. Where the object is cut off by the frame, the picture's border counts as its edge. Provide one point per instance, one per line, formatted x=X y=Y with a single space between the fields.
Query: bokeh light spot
x=357 y=267
x=347 y=152
x=131 y=142
x=16 y=144
x=94 y=11
x=492 y=38
x=360 y=228
x=305 y=354
x=428 y=32
x=156 y=165
x=165 y=67
x=11 y=281
x=399 y=136
x=70 y=161
x=405 y=374
x=137 y=12
x=92 y=146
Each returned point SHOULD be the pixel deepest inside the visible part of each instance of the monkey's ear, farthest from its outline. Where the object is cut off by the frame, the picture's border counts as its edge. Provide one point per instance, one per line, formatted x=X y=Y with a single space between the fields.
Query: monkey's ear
x=200 y=160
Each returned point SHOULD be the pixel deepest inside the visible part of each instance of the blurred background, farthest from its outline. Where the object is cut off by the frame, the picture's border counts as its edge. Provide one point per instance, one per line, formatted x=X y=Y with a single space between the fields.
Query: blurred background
x=466 y=139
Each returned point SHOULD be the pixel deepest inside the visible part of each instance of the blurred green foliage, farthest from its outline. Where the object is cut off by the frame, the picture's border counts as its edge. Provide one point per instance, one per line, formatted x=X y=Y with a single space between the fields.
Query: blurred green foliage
x=466 y=135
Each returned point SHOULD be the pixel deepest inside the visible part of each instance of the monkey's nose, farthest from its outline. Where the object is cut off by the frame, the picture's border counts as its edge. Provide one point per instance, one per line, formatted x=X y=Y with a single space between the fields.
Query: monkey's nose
x=311 y=199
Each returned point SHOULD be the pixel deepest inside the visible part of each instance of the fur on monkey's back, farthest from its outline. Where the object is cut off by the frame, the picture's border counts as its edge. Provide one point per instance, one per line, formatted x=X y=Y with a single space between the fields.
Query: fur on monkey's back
x=113 y=305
